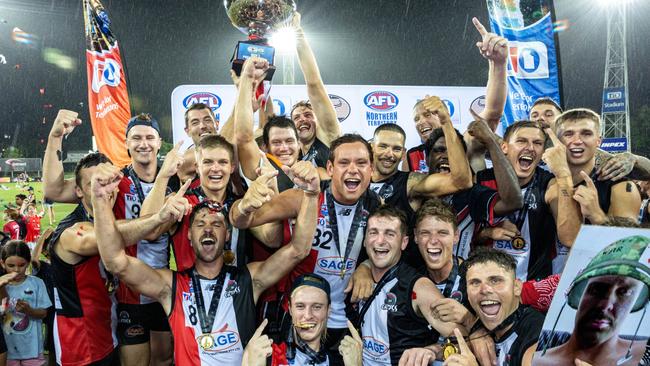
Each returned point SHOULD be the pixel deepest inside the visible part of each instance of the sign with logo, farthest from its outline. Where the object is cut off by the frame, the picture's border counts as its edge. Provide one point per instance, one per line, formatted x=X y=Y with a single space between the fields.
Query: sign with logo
x=532 y=62
x=211 y=100
x=374 y=347
x=359 y=108
x=614 y=144
x=246 y=50
x=614 y=100
x=380 y=103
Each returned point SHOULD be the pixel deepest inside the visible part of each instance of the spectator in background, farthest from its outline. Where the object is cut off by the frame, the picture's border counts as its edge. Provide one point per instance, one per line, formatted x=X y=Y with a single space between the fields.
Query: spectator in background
x=19 y=199
x=15 y=225
x=27 y=305
x=48 y=208
x=33 y=225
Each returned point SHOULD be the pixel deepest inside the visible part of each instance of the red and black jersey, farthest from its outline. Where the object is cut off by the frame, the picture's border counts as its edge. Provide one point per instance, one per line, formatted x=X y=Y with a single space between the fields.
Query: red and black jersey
x=131 y=194
x=234 y=322
x=416 y=158
x=84 y=318
x=183 y=251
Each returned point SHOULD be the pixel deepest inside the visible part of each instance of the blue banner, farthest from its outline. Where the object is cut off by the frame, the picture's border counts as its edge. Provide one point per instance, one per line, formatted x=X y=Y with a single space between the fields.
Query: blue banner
x=614 y=100
x=614 y=144
x=532 y=65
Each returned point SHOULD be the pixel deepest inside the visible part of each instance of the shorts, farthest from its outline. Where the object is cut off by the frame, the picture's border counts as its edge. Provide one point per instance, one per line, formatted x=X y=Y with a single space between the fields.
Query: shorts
x=38 y=361
x=136 y=321
x=3 y=344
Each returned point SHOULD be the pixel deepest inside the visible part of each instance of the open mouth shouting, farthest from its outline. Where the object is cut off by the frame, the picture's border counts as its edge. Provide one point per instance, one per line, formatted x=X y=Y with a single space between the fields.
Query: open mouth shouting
x=208 y=241
x=526 y=162
x=380 y=253
x=576 y=152
x=352 y=184
x=425 y=131
x=215 y=178
x=443 y=166
x=434 y=254
x=490 y=308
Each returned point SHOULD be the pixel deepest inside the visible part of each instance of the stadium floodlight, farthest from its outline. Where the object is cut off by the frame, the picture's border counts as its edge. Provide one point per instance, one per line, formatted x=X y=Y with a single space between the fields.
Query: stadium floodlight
x=284 y=40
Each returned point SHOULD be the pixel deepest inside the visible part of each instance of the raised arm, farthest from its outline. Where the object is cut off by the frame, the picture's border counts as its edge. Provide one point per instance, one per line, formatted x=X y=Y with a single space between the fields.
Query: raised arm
x=131 y=271
x=510 y=198
x=494 y=49
x=460 y=177
x=156 y=197
x=260 y=205
x=265 y=274
x=81 y=238
x=252 y=74
x=559 y=196
x=55 y=187
x=327 y=128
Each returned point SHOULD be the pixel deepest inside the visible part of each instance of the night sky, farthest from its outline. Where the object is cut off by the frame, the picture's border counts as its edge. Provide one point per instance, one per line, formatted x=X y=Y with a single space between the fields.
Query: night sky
x=168 y=43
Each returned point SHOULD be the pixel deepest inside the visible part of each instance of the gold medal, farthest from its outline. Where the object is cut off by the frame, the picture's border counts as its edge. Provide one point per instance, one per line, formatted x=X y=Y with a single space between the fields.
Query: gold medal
x=448 y=349
x=206 y=341
x=518 y=242
x=229 y=257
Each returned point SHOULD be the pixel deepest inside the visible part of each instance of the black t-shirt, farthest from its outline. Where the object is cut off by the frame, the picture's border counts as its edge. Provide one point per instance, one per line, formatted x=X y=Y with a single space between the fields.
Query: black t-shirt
x=510 y=347
x=473 y=207
x=318 y=153
x=536 y=224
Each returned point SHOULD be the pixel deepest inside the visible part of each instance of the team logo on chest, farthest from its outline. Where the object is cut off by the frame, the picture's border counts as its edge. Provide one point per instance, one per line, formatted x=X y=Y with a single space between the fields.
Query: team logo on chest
x=390 y=303
x=232 y=288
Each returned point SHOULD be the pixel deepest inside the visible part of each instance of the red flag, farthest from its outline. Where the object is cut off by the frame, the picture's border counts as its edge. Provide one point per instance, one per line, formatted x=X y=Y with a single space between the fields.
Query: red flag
x=108 y=98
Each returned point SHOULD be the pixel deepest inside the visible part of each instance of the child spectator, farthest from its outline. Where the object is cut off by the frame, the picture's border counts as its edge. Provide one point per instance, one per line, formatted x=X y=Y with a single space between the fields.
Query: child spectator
x=24 y=307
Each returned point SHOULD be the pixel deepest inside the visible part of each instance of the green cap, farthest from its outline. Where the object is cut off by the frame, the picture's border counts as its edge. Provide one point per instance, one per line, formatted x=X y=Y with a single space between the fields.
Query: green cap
x=621 y=258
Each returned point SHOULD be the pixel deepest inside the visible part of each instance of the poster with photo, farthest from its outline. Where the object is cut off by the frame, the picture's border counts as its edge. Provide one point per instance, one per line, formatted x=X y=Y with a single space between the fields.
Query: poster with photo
x=598 y=314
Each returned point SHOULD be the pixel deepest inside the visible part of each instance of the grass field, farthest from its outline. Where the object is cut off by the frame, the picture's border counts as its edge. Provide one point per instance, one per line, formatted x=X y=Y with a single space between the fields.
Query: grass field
x=8 y=192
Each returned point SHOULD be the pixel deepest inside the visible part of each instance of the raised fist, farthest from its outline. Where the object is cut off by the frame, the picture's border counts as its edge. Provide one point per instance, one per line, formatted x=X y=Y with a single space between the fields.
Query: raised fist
x=105 y=180
x=64 y=123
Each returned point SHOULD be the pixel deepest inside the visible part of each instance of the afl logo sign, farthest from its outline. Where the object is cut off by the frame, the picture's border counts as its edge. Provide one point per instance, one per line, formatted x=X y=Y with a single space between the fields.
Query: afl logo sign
x=211 y=100
x=381 y=101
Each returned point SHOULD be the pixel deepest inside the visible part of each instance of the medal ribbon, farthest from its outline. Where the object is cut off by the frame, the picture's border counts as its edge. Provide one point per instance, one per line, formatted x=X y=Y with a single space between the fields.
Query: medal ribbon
x=315 y=358
x=387 y=277
x=451 y=280
x=137 y=184
x=207 y=320
x=354 y=228
x=519 y=220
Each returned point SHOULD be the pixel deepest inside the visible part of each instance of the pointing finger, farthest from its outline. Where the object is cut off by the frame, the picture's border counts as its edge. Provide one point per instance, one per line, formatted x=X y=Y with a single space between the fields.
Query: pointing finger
x=590 y=183
x=177 y=146
x=184 y=187
x=464 y=350
x=354 y=332
x=479 y=27
x=260 y=329
x=556 y=141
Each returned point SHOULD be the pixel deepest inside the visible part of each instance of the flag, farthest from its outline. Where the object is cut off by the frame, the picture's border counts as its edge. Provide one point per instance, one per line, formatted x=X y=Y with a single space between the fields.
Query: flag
x=108 y=99
x=533 y=67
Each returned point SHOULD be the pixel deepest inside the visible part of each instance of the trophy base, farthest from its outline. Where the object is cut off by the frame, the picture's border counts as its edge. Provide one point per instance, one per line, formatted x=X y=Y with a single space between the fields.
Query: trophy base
x=247 y=49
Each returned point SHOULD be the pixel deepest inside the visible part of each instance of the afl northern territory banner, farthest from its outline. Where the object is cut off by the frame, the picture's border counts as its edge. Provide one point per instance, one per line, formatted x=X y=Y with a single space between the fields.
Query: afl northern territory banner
x=533 y=64
x=108 y=99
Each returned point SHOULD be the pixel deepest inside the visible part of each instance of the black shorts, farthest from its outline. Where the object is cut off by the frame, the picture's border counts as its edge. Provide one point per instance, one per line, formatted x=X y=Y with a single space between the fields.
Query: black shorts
x=135 y=321
x=3 y=344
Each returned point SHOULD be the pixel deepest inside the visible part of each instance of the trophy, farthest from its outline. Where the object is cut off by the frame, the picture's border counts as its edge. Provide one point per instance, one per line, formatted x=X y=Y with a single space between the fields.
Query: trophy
x=257 y=18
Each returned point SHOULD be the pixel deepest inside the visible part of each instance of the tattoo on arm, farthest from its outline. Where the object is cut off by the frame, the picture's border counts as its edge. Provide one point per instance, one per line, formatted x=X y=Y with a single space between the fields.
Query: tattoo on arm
x=564 y=193
x=59 y=155
x=628 y=187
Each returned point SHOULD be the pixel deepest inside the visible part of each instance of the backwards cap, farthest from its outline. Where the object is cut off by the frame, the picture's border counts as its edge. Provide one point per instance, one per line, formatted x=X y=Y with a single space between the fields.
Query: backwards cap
x=313 y=280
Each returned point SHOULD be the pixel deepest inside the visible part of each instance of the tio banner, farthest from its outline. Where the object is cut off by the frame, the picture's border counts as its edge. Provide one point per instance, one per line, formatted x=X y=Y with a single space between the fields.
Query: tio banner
x=532 y=65
x=614 y=144
x=360 y=108
x=108 y=99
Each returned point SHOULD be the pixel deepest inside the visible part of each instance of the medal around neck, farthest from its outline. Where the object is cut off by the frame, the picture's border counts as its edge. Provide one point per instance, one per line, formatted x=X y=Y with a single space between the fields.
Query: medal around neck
x=206 y=341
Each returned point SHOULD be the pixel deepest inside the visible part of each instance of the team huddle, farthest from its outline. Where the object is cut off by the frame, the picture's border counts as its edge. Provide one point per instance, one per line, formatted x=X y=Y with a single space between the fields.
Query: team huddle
x=295 y=244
